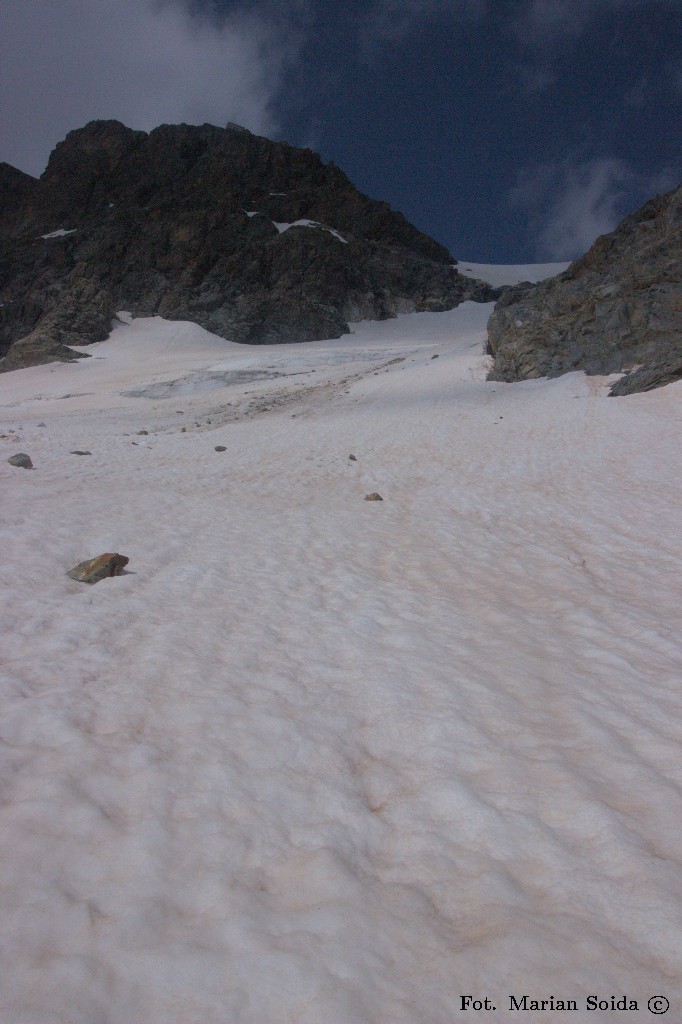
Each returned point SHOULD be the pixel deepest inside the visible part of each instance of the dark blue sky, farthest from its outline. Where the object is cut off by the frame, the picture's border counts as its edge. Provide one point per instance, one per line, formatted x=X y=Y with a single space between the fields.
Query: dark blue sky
x=510 y=130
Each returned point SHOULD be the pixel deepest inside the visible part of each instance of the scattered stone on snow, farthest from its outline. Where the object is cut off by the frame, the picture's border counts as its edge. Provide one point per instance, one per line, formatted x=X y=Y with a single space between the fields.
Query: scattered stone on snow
x=435 y=357
x=143 y=431
x=95 y=569
x=374 y=496
x=77 y=452
x=22 y=460
x=220 y=448
x=42 y=424
x=352 y=458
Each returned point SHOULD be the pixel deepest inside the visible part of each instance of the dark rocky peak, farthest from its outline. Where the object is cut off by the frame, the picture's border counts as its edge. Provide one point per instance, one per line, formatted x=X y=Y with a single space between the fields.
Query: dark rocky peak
x=90 y=153
x=200 y=167
x=14 y=182
x=199 y=223
x=654 y=226
x=617 y=308
x=17 y=192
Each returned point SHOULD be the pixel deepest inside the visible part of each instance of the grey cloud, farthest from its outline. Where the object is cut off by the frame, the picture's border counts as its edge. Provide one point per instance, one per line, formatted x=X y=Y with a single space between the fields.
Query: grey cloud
x=544 y=22
x=567 y=207
x=393 y=20
x=144 y=62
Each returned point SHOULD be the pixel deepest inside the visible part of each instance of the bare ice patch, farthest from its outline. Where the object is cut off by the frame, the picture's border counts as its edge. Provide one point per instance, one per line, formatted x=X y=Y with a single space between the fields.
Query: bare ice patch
x=200 y=382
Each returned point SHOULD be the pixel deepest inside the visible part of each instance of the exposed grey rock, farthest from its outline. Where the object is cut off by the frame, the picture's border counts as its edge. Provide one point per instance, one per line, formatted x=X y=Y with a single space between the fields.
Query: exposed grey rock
x=95 y=569
x=655 y=375
x=77 y=452
x=352 y=458
x=157 y=224
x=22 y=460
x=220 y=448
x=617 y=308
x=374 y=496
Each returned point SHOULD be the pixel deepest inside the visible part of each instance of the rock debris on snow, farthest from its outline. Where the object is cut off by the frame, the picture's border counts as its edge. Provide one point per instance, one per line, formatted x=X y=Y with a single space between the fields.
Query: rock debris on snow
x=99 y=568
x=22 y=460
x=319 y=766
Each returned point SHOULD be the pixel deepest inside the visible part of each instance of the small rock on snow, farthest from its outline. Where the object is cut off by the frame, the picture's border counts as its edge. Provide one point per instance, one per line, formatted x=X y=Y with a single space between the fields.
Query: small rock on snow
x=95 y=569
x=21 y=459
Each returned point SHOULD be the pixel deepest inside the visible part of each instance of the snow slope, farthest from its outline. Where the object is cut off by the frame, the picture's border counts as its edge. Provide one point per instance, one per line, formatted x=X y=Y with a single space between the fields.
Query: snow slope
x=315 y=759
x=498 y=274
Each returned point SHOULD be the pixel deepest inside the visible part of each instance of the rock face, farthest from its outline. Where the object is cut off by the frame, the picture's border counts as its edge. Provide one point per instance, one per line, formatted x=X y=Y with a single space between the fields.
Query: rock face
x=617 y=308
x=255 y=240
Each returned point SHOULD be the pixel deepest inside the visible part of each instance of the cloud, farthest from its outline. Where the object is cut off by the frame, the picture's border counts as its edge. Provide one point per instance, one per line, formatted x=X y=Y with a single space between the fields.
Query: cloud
x=567 y=207
x=540 y=27
x=546 y=22
x=143 y=62
x=393 y=20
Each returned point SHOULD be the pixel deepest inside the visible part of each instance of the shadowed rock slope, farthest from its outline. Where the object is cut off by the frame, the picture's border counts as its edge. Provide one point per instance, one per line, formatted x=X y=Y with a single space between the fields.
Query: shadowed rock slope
x=189 y=223
x=618 y=308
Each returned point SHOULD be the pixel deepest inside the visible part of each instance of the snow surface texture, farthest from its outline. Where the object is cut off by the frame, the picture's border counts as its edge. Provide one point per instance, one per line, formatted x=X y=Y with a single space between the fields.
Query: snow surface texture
x=315 y=759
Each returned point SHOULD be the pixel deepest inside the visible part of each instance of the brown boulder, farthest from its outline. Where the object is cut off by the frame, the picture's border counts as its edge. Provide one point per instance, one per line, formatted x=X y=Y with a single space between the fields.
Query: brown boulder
x=96 y=569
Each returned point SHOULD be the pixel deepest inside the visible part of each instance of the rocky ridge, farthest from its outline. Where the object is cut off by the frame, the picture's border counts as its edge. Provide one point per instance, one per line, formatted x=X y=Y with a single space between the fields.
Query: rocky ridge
x=616 y=309
x=257 y=241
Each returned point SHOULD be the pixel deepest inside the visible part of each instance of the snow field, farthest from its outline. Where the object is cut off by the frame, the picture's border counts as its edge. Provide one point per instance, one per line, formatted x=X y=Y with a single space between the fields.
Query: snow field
x=316 y=759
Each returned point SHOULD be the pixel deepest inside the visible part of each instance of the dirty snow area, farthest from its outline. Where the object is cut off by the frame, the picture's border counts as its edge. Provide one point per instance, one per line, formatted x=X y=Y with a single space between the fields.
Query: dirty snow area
x=316 y=759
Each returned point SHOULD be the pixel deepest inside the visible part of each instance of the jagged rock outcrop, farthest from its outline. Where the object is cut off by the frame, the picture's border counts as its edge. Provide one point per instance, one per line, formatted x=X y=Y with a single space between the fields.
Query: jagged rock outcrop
x=618 y=308
x=192 y=223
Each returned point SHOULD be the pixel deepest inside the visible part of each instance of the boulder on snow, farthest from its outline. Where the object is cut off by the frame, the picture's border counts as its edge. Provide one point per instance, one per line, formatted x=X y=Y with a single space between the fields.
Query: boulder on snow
x=95 y=569
x=374 y=496
x=22 y=460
